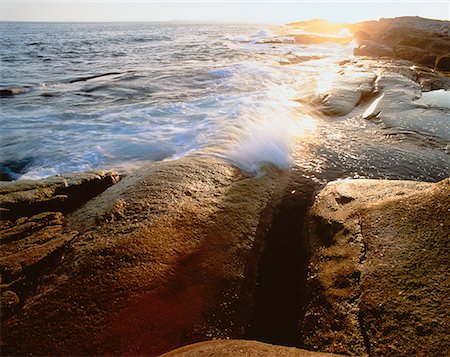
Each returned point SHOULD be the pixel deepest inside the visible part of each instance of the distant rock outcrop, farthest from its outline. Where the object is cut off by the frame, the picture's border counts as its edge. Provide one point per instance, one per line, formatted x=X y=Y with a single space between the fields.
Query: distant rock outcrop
x=422 y=41
x=309 y=39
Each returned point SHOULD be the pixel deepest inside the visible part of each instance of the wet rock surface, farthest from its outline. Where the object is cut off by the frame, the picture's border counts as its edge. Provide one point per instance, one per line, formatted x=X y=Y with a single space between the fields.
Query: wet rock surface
x=390 y=92
x=242 y=348
x=292 y=58
x=342 y=93
x=378 y=271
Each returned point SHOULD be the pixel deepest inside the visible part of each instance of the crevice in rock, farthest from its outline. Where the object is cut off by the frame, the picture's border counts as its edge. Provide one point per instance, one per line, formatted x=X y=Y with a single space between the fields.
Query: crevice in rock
x=281 y=279
x=368 y=96
x=362 y=259
x=364 y=333
x=54 y=194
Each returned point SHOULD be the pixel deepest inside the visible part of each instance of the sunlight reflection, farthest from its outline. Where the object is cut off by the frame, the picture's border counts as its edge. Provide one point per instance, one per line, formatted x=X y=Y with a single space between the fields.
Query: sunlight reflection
x=344 y=32
x=325 y=82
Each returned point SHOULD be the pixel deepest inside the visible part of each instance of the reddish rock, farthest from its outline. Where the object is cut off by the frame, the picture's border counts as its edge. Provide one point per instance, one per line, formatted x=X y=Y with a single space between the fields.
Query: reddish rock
x=166 y=257
x=241 y=348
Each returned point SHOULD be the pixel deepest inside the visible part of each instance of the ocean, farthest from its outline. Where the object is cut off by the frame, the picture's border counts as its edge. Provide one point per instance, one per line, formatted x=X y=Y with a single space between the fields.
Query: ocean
x=117 y=95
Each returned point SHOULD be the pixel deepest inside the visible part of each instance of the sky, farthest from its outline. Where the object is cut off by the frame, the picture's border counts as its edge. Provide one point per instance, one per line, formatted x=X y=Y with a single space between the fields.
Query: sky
x=278 y=12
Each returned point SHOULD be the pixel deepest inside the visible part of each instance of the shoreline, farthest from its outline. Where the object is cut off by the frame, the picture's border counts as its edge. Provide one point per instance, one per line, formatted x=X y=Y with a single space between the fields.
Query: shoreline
x=195 y=249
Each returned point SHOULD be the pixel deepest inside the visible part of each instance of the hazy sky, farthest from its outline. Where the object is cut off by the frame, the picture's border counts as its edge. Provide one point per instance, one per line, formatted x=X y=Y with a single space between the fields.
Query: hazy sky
x=212 y=11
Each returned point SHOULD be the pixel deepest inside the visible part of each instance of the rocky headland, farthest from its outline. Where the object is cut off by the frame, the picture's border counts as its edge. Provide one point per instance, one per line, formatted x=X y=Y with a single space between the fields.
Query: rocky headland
x=422 y=41
x=195 y=252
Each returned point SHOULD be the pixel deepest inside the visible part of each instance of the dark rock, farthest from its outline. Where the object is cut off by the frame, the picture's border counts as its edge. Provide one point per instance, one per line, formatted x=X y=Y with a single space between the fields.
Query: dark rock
x=25 y=226
x=416 y=55
x=409 y=36
x=30 y=248
x=374 y=28
x=9 y=301
x=416 y=22
x=443 y=63
x=400 y=39
x=35 y=256
x=9 y=92
x=429 y=79
x=373 y=49
x=33 y=246
x=12 y=169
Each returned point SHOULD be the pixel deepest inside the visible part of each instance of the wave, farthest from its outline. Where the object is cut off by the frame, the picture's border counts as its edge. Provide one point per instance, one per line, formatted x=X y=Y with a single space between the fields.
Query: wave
x=263 y=33
x=268 y=139
x=261 y=37
x=151 y=38
x=95 y=76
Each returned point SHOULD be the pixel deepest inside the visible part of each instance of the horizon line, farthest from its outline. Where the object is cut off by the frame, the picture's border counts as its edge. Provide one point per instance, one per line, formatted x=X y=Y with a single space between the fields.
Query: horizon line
x=198 y=21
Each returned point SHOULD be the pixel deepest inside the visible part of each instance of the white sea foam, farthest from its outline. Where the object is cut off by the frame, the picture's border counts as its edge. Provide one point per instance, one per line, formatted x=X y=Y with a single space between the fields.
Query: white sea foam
x=268 y=125
x=193 y=94
x=263 y=33
x=256 y=122
x=261 y=37
x=268 y=139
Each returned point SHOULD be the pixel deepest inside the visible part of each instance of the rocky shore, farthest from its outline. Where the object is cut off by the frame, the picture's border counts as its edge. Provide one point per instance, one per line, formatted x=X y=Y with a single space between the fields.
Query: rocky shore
x=170 y=255
x=195 y=257
x=422 y=41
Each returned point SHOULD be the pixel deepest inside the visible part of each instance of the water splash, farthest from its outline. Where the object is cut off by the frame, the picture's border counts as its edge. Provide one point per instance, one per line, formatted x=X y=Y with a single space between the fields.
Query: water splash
x=269 y=131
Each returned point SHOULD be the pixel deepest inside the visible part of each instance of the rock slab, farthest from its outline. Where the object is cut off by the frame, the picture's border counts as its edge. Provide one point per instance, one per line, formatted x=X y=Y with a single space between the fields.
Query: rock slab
x=166 y=257
x=378 y=280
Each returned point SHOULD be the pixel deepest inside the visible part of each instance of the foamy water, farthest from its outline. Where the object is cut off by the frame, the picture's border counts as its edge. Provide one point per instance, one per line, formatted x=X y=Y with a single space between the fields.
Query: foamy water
x=114 y=96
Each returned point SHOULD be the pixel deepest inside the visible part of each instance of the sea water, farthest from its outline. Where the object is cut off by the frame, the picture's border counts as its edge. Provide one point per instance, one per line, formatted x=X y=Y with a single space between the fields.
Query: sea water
x=117 y=95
